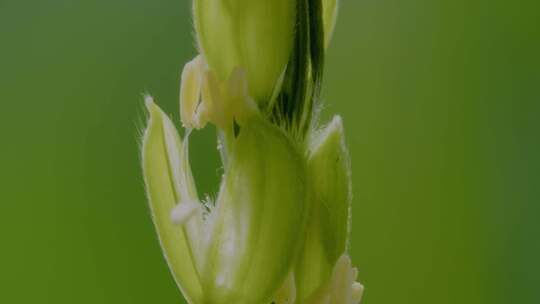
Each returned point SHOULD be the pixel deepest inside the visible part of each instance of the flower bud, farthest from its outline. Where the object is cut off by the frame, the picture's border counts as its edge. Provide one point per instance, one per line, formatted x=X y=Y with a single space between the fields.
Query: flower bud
x=255 y=35
x=169 y=185
x=259 y=217
x=330 y=197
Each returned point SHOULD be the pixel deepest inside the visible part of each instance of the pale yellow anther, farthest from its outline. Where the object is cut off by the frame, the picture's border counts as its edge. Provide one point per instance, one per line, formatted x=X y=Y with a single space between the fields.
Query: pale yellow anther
x=241 y=105
x=190 y=93
x=342 y=288
x=215 y=101
x=356 y=293
x=237 y=84
x=223 y=102
x=205 y=98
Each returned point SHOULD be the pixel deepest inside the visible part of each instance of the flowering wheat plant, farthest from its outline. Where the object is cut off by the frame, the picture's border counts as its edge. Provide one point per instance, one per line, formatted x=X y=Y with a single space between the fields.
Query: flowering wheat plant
x=278 y=229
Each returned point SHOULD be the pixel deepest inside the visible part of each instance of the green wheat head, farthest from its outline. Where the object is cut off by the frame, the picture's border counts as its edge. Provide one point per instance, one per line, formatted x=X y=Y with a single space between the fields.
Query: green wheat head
x=278 y=229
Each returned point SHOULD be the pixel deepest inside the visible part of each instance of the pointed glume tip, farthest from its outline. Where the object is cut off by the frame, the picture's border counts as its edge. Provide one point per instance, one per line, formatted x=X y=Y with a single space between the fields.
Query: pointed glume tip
x=148 y=101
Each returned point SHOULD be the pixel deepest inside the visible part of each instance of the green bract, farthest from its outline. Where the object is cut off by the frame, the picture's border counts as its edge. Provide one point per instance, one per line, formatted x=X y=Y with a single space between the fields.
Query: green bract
x=330 y=9
x=256 y=35
x=168 y=183
x=278 y=229
x=257 y=223
x=328 y=168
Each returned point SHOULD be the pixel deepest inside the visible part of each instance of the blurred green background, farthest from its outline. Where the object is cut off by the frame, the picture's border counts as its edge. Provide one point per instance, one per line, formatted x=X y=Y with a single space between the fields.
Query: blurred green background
x=441 y=105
